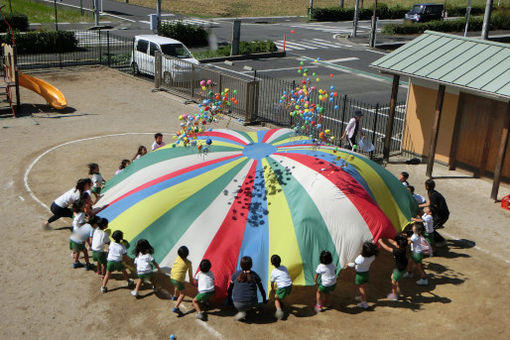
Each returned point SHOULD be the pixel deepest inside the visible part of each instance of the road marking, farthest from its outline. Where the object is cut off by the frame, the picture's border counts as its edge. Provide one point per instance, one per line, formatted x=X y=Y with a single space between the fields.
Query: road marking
x=334 y=43
x=229 y=70
x=354 y=71
x=21 y=198
x=192 y=21
x=280 y=69
x=294 y=46
x=340 y=60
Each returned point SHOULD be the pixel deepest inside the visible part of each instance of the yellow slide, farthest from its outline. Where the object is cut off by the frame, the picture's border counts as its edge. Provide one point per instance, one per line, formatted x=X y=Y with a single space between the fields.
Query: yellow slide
x=49 y=92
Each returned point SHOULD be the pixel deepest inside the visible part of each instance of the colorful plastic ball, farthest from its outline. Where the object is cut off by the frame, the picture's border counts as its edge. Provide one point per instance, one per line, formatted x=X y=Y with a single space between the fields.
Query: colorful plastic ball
x=292 y=31
x=209 y=82
x=208 y=141
x=331 y=75
x=202 y=83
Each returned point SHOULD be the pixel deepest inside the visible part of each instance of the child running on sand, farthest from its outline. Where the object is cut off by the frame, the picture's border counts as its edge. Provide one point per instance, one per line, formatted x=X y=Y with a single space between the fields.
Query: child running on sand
x=326 y=271
x=416 y=256
x=116 y=253
x=97 y=180
x=362 y=265
x=99 y=239
x=281 y=279
x=144 y=262
x=178 y=275
x=205 y=282
x=80 y=235
x=399 y=253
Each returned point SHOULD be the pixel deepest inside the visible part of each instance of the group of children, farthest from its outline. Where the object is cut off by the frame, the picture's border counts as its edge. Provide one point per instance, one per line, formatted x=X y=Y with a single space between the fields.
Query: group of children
x=93 y=232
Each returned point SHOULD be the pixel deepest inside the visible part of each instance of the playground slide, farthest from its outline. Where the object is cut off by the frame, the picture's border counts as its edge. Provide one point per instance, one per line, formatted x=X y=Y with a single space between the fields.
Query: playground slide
x=49 y=92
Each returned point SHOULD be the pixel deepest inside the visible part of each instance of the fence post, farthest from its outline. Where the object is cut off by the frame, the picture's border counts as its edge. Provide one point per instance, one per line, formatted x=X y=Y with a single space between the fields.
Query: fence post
x=343 y=111
x=99 y=43
x=108 y=47
x=157 y=69
x=219 y=84
x=192 y=83
x=375 y=128
x=292 y=117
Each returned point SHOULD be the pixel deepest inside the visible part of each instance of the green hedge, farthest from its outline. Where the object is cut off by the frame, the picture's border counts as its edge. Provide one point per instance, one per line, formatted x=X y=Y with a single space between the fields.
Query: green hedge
x=383 y=12
x=245 y=48
x=189 y=35
x=43 y=42
x=18 y=22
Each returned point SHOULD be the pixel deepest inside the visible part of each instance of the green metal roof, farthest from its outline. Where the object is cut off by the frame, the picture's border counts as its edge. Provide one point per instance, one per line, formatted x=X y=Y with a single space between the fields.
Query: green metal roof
x=448 y=59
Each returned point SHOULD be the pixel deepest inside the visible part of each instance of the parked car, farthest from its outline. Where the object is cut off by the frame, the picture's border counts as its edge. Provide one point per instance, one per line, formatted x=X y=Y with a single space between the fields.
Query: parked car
x=178 y=68
x=425 y=12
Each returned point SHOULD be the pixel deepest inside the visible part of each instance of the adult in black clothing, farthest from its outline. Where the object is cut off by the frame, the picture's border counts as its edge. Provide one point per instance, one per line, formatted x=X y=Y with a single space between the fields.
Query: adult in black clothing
x=439 y=208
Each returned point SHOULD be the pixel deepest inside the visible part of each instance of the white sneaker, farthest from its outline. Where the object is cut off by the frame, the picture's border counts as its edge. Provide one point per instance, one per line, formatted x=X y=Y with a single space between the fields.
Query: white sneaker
x=200 y=316
x=240 y=316
x=134 y=292
x=422 y=282
x=363 y=304
x=407 y=275
x=358 y=298
x=279 y=314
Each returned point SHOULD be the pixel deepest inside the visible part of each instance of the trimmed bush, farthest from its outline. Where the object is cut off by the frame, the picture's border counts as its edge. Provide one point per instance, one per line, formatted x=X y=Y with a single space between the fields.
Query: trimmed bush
x=189 y=35
x=245 y=48
x=383 y=12
x=18 y=22
x=500 y=19
x=43 y=42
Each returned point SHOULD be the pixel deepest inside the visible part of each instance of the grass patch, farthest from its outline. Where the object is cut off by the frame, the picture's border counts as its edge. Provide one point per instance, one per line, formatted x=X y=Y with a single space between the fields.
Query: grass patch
x=44 y=13
x=249 y=8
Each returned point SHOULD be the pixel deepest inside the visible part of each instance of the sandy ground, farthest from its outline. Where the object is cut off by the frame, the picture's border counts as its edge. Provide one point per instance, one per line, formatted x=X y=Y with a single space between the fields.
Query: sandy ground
x=43 y=297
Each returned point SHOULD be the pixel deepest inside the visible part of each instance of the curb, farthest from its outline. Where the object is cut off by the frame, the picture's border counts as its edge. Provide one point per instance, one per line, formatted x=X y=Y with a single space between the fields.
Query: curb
x=245 y=57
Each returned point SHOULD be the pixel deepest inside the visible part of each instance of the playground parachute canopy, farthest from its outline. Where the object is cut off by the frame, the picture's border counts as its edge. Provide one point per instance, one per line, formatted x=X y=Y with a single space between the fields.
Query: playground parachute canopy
x=256 y=194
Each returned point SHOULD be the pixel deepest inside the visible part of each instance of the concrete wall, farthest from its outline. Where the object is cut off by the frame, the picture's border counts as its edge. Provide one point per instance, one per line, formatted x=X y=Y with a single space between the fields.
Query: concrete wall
x=420 y=117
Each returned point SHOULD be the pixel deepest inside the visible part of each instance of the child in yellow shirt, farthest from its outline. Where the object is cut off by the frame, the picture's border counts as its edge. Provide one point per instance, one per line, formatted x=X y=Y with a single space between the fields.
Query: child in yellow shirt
x=178 y=275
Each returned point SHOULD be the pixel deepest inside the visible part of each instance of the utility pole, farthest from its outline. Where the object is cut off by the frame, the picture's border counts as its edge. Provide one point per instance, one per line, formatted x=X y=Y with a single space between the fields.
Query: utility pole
x=96 y=12
x=310 y=9
x=355 y=19
x=56 y=17
x=374 y=25
x=342 y=3
x=486 y=20
x=158 y=13
x=468 y=13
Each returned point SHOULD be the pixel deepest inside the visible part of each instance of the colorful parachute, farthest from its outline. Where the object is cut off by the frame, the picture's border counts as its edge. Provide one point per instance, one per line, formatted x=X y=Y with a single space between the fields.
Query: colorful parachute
x=256 y=194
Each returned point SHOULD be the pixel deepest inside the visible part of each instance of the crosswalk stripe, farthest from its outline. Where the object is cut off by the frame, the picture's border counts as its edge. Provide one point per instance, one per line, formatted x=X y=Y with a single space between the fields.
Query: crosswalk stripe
x=196 y=22
x=333 y=43
x=279 y=44
x=323 y=44
x=292 y=45
x=307 y=46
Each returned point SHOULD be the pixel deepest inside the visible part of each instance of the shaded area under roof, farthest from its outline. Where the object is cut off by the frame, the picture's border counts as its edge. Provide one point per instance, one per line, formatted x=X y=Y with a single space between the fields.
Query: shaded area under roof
x=469 y=63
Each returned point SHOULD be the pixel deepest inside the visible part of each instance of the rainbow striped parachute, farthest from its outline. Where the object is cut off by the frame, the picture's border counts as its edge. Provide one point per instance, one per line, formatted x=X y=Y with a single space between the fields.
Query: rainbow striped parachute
x=257 y=194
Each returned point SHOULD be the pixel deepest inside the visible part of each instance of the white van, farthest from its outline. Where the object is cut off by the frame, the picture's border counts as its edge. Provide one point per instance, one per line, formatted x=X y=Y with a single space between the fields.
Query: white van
x=175 y=69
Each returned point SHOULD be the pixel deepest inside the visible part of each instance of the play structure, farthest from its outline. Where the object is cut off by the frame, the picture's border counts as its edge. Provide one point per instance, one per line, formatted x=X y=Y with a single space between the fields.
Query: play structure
x=13 y=79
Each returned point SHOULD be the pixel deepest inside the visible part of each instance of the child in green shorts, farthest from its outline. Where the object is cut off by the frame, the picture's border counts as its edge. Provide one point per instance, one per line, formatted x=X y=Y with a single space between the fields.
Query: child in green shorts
x=416 y=256
x=144 y=262
x=205 y=282
x=362 y=265
x=281 y=279
x=399 y=253
x=116 y=253
x=326 y=270
x=99 y=239
x=81 y=234
x=178 y=275
x=428 y=223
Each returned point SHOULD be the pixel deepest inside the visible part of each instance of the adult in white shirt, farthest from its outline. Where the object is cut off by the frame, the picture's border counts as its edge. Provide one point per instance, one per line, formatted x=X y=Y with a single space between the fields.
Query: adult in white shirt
x=60 y=207
x=353 y=128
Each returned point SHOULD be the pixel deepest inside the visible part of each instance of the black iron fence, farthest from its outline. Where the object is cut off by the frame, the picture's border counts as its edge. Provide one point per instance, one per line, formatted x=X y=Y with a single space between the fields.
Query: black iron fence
x=94 y=47
x=258 y=94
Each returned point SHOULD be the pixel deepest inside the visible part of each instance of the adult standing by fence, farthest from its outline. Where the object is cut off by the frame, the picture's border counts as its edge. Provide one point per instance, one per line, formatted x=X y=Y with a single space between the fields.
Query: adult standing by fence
x=353 y=128
x=439 y=208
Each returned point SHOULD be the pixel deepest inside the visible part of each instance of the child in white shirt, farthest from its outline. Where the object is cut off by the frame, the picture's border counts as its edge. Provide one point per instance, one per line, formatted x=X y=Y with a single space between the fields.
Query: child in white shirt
x=97 y=180
x=116 y=253
x=281 y=279
x=327 y=272
x=144 y=262
x=205 y=282
x=80 y=235
x=428 y=222
x=158 y=141
x=416 y=255
x=99 y=239
x=362 y=265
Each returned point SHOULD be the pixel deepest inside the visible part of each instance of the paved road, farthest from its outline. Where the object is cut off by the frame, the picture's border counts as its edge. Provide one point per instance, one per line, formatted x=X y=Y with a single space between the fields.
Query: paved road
x=346 y=61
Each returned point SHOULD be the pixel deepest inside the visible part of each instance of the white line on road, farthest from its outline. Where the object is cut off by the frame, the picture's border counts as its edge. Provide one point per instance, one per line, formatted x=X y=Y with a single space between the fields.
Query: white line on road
x=340 y=60
x=208 y=328
x=21 y=198
x=283 y=69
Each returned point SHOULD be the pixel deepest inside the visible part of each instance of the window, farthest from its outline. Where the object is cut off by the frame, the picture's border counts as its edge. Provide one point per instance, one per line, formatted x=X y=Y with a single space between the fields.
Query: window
x=153 y=49
x=142 y=46
x=175 y=50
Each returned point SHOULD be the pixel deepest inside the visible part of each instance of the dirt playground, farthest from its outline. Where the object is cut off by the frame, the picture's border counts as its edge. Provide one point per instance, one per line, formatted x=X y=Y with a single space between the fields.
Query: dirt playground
x=44 y=152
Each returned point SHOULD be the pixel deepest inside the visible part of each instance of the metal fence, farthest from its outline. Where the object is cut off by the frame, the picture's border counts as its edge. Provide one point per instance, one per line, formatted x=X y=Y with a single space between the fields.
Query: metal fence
x=258 y=94
x=94 y=47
